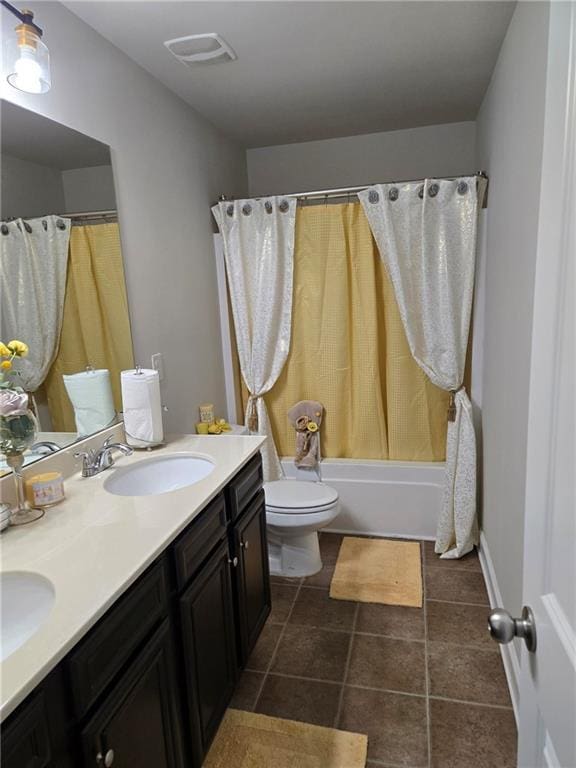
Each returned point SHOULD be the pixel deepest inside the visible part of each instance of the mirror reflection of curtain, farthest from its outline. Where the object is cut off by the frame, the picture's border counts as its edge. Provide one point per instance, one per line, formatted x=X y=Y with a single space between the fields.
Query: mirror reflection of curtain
x=349 y=349
x=33 y=257
x=96 y=325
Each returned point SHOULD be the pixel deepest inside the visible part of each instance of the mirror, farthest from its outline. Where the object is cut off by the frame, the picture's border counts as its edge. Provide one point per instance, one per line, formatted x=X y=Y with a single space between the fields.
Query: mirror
x=62 y=286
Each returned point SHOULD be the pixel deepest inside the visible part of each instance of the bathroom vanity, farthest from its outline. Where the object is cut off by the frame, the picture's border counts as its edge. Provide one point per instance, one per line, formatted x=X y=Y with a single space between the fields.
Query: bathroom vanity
x=138 y=665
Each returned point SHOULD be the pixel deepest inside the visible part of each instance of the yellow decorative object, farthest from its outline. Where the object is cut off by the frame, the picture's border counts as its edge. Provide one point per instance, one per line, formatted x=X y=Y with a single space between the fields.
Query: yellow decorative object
x=312 y=426
x=207 y=413
x=45 y=489
x=4 y=351
x=202 y=428
x=348 y=349
x=214 y=429
x=224 y=426
x=6 y=365
x=17 y=348
x=95 y=325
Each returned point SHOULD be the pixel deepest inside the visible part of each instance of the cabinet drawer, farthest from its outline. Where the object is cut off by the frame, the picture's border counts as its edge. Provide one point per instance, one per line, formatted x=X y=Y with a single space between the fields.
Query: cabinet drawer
x=25 y=740
x=102 y=654
x=198 y=541
x=242 y=489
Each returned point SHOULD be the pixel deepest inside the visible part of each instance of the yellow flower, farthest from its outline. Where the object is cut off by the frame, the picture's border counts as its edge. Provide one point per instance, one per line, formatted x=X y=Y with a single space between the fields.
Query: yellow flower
x=214 y=429
x=4 y=351
x=6 y=365
x=312 y=426
x=18 y=348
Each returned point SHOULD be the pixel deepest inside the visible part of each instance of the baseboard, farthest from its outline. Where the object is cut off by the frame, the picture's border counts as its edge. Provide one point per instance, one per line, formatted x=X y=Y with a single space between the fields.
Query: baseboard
x=509 y=656
x=376 y=534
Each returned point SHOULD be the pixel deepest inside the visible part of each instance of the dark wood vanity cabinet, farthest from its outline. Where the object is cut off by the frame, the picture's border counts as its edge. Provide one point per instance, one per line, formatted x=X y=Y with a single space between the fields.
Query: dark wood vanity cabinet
x=252 y=576
x=149 y=684
x=138 y=723
x=209 y=646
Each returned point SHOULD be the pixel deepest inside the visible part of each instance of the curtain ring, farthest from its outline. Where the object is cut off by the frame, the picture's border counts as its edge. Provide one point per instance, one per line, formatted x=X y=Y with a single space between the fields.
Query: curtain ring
x=462 y=188
x=27 y=227
x=393 y=194
x=230 y=210
x=373 y=196
x=4 y=229
x=246 y=209
x=284 y=206
x=433 y=190
x=268 y=206
x=60 y=224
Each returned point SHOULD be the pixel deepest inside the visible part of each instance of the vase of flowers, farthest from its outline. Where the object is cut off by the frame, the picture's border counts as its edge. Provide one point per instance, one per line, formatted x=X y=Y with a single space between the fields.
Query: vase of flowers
x=18 y=426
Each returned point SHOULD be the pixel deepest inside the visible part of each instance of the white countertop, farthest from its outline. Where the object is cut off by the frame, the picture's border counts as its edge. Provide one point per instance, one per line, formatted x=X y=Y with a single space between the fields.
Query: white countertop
x=94 y=545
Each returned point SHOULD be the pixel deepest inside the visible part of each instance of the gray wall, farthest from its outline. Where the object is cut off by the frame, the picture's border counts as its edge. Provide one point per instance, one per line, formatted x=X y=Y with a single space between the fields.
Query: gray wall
x=435 y=150
x=89 y=189
x=29 y=189
x=510 y=136
x=169 y=165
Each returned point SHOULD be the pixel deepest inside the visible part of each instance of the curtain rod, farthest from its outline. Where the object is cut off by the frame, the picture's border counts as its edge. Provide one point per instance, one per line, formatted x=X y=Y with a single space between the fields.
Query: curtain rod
x=78 y=215
x=344 y=191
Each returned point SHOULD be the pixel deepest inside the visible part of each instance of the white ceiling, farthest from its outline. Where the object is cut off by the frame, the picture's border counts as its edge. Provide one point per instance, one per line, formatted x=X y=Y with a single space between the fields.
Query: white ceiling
x=35 y=138
x=315 y=70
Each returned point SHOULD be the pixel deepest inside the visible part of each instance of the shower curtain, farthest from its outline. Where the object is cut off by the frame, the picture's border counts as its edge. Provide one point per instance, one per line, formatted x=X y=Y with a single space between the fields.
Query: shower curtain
x=349 y=350
x=96 y=325
x=33 y=260
x=426 y=234
x=258 y=238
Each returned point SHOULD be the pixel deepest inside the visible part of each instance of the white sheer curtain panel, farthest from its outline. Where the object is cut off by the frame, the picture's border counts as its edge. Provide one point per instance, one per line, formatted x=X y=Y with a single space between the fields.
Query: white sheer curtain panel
x=33 y=264
x=258 y=240
x=426 y=235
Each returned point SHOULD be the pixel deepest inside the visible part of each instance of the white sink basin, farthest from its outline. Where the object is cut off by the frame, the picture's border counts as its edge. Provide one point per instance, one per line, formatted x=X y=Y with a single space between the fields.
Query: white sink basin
x=160 y=474
x=27 y=599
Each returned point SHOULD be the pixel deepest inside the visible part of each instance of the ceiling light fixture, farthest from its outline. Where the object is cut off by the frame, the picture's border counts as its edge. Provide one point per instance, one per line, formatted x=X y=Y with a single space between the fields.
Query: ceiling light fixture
x=28 y=56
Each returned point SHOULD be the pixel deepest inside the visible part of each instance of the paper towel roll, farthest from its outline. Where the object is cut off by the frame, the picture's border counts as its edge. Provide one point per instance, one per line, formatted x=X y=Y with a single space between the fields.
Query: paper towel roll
x=142 y=407
x=91 y=396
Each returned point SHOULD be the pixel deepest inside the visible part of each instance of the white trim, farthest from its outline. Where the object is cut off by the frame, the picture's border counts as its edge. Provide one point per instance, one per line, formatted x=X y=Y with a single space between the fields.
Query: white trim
x=225 y=333
x=508 y=652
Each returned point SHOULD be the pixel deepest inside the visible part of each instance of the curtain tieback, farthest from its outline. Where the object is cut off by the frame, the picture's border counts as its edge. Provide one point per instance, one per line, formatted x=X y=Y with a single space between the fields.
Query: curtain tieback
x=253 y=413
x=452 y=403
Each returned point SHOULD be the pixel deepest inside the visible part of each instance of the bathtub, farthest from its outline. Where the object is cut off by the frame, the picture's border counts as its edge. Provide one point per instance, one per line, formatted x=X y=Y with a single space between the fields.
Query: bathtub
x=383 y=498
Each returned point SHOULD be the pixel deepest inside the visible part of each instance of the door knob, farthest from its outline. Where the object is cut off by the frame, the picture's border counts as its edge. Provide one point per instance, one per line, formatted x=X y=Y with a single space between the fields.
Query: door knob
x=233 y=562
x=244 y=544
x=503 y=628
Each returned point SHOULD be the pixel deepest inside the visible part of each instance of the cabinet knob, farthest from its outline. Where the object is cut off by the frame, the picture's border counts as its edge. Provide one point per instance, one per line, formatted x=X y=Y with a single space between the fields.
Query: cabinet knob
x=244 y=544
x=107 y=759
x=233 y=562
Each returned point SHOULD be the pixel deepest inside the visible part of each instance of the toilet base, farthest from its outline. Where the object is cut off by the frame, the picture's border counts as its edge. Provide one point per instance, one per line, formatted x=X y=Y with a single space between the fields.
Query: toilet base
x=294 y=556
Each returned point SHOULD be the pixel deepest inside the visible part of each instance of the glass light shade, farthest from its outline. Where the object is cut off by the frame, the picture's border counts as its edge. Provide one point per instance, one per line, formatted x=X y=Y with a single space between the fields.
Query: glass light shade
x=28 y=62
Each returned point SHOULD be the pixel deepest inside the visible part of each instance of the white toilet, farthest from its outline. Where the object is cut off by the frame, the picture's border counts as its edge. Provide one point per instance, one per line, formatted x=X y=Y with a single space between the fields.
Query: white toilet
x=295 y=511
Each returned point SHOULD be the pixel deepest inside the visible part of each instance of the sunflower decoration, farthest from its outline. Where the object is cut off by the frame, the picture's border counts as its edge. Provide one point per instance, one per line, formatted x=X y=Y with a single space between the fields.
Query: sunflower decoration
x=8 y=353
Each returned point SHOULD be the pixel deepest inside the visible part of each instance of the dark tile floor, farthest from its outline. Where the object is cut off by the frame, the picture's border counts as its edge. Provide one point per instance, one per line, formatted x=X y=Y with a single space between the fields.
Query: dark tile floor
x=426 y=685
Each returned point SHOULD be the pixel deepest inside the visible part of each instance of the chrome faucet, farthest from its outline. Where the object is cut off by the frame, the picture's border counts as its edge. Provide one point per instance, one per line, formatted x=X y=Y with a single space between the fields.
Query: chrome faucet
x=45 y=446
x=97 y=460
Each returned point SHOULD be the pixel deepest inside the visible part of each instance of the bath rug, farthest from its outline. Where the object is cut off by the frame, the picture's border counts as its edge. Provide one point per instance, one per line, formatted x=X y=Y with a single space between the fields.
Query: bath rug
x=247 y=740
x=378 y=571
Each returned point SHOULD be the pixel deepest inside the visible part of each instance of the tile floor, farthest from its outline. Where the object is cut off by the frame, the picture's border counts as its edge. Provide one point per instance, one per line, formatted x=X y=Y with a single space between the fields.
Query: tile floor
x=426 y=685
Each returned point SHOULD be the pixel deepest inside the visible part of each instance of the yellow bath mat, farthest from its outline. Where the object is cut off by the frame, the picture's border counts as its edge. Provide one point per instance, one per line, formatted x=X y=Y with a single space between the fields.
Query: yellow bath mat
x=246 y=740
x=378 y=571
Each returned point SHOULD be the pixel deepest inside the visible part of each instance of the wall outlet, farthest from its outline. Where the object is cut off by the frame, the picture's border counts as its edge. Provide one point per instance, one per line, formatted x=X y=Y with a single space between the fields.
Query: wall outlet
x=158 y=364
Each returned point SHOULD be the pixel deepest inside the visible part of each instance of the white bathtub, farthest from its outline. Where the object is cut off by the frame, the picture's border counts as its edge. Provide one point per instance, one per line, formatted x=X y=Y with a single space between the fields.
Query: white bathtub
x=384 y=498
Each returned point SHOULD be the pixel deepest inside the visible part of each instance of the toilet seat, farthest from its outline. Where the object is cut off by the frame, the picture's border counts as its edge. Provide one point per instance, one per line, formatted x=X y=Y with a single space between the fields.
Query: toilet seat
x=297 y=497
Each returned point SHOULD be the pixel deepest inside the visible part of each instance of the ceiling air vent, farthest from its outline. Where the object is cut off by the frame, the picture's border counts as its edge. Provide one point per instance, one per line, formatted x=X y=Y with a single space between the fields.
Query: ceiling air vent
x=208 y=48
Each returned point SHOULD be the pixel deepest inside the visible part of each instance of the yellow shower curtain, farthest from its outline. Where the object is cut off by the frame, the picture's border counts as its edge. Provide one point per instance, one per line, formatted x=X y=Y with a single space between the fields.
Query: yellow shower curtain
x=96 y=325
x=349 y=350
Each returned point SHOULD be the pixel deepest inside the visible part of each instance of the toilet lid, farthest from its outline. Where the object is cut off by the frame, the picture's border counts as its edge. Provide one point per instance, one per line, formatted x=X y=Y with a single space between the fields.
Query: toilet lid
x=298 y=495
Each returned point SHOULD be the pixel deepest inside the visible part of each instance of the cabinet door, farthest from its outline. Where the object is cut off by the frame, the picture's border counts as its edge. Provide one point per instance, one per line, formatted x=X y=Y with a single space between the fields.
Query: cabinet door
x=25 y=740
x=208 y=639
x=138 y=723
x=252 y=575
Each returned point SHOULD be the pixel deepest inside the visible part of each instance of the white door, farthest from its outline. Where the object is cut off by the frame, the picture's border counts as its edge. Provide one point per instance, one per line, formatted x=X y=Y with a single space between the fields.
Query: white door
x=547 y=727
